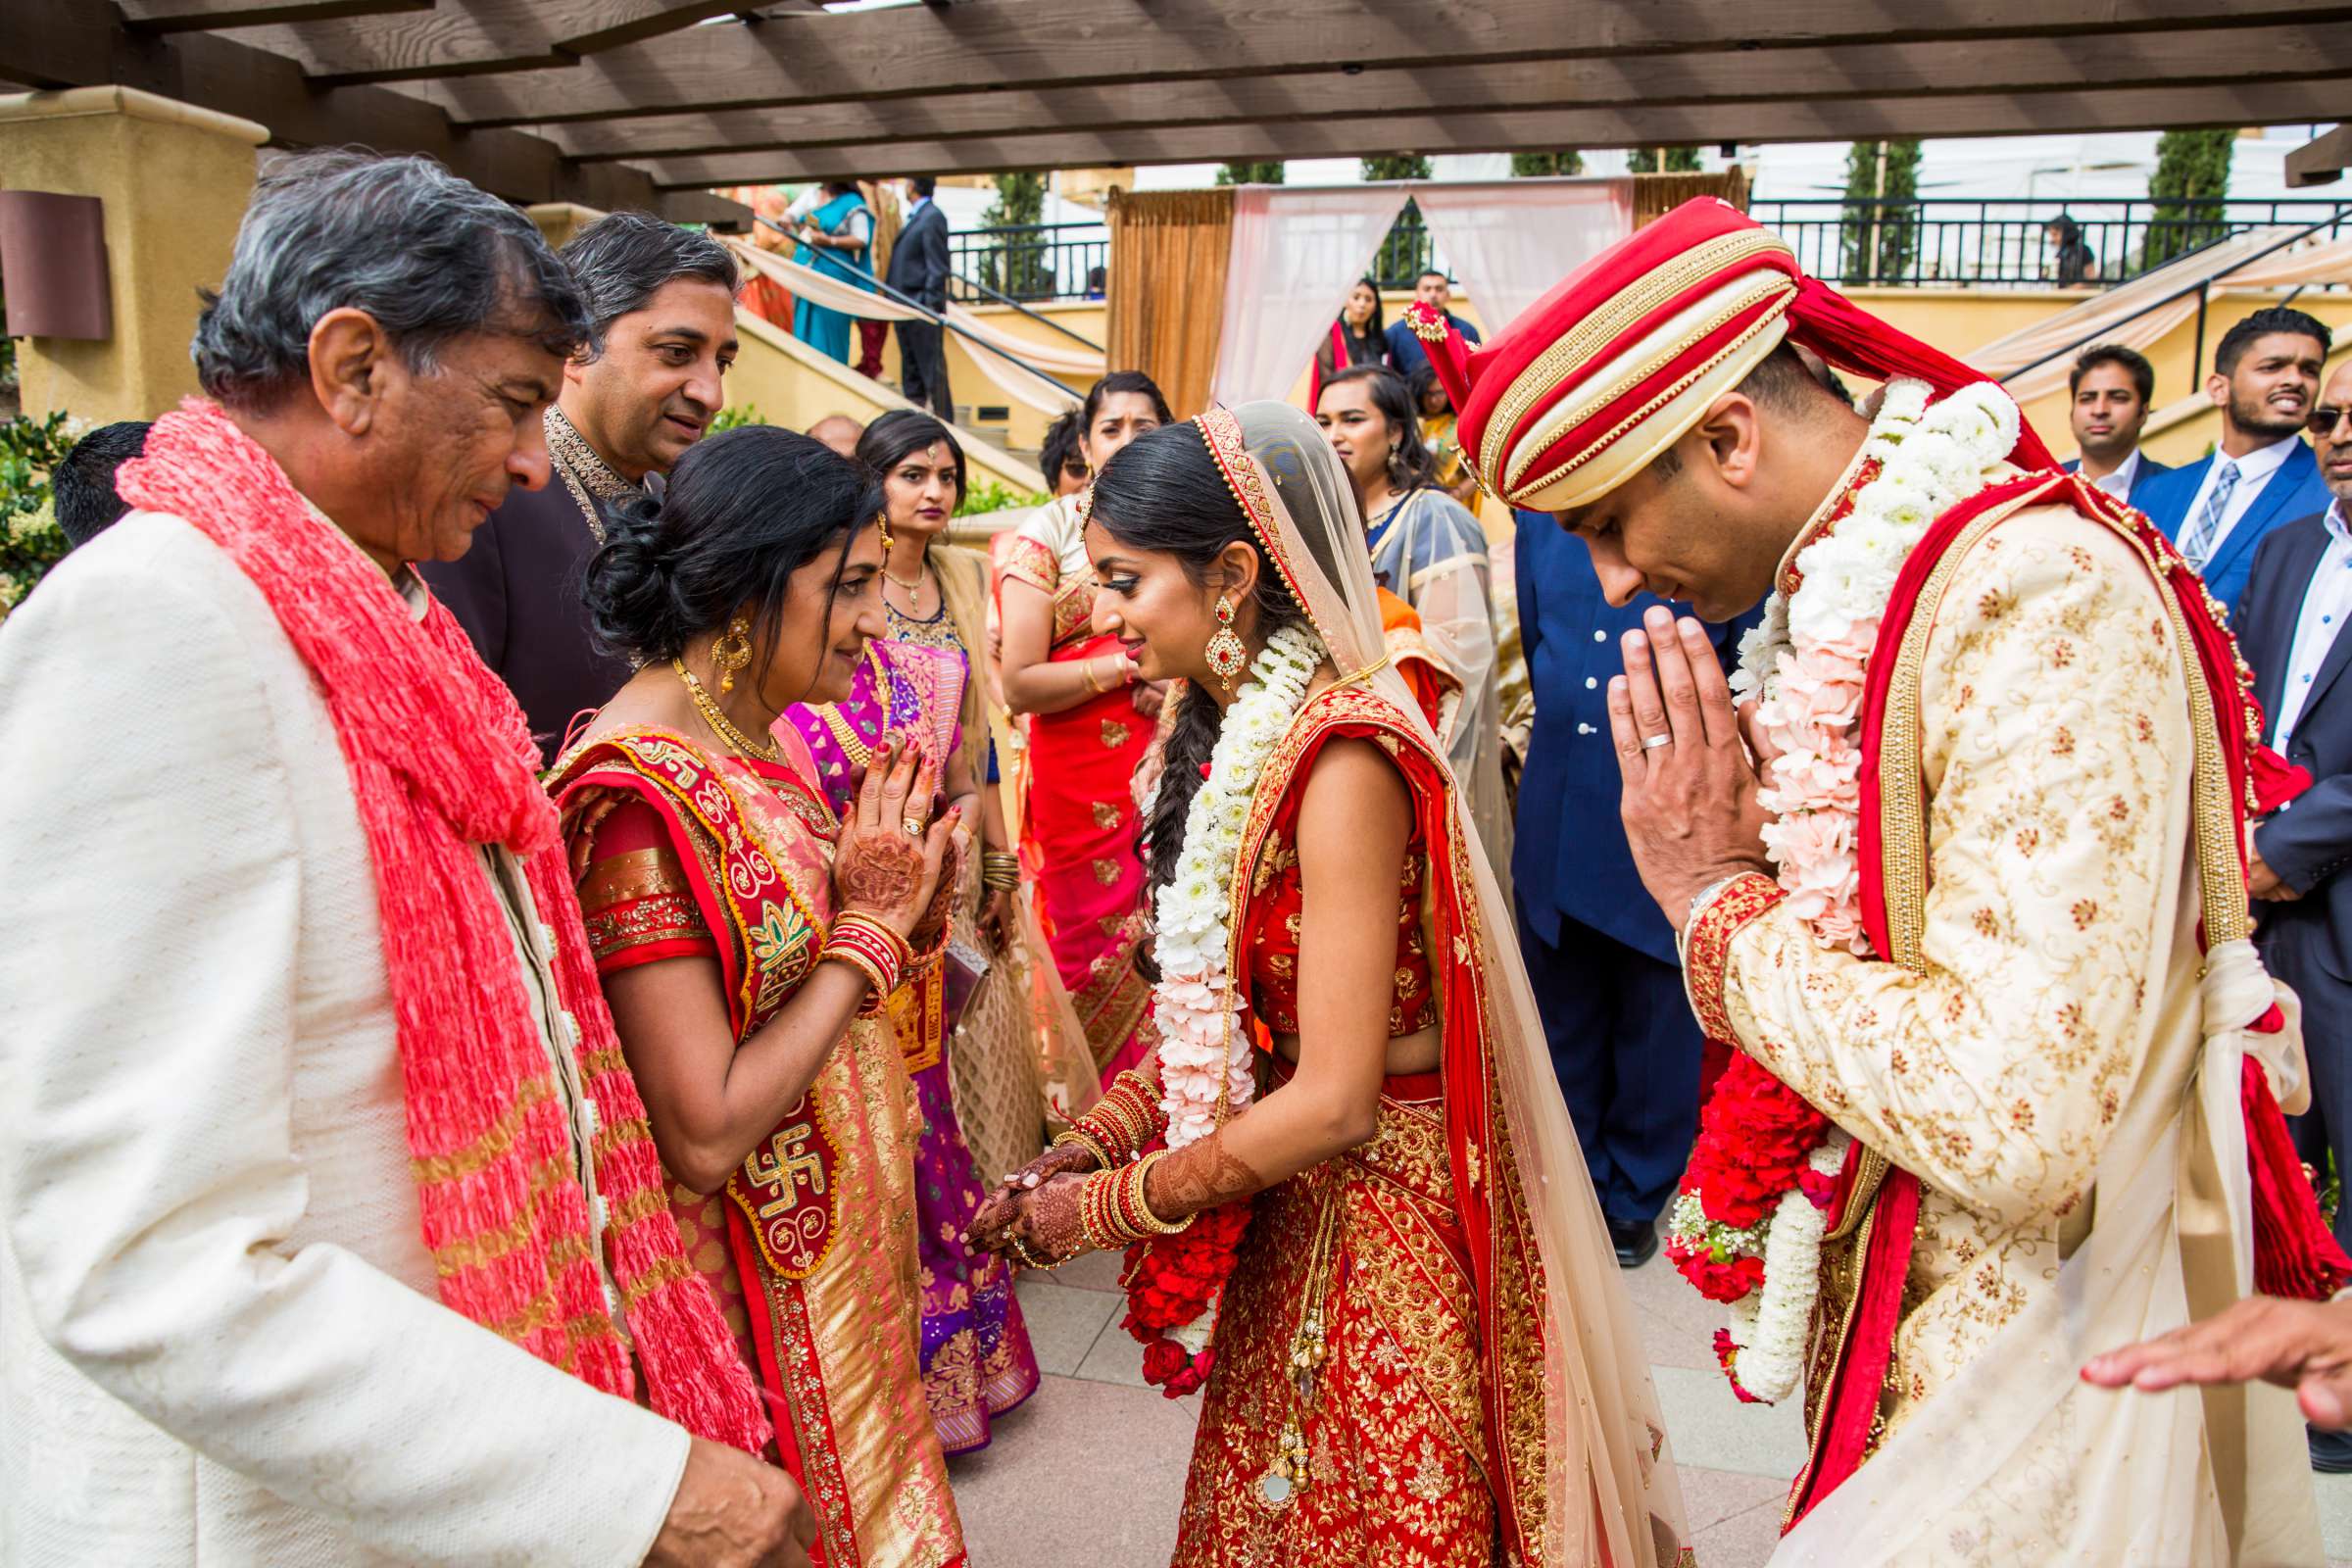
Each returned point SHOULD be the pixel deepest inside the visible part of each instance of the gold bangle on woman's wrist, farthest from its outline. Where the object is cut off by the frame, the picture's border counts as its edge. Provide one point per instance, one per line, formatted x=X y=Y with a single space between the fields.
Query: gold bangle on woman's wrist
x=1000 y=870
x=1072 y=1136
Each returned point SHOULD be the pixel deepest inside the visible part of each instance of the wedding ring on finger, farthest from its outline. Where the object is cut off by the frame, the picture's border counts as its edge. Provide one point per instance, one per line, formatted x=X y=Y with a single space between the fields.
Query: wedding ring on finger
x=914 y=827
x=1652 y=743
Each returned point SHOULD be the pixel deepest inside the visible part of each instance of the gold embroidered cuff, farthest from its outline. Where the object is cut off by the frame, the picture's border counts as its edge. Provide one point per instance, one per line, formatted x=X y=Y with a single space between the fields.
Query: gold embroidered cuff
x=1707 y=946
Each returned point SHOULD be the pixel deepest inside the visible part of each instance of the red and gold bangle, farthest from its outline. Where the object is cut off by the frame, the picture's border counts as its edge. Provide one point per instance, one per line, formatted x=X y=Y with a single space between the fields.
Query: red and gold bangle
x=1139 y=1205
x=1125 y=1119
x=1113 y=1211
x=872 y=949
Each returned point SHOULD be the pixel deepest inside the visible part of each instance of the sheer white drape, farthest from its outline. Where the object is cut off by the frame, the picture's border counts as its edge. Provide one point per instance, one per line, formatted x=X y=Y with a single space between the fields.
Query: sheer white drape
x=1295 y=253
x=1508 y=244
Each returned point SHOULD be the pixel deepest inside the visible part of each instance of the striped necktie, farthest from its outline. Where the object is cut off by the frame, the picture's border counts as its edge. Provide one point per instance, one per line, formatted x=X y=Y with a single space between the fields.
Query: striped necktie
x=2197 y=544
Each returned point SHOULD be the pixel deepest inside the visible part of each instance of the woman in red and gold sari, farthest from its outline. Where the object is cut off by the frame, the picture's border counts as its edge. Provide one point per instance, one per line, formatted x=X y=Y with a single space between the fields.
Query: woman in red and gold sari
x=1418 y=1348
x=746 y=938
x=1090 y=724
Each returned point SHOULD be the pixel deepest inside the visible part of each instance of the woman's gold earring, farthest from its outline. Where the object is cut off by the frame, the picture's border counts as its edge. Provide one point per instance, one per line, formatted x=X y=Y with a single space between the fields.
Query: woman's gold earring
x=731 y=649
x=1226 y=655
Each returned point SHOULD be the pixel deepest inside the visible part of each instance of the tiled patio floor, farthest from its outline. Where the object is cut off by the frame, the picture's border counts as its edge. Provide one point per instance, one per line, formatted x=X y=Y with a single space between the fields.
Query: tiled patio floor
x=1091 y=1469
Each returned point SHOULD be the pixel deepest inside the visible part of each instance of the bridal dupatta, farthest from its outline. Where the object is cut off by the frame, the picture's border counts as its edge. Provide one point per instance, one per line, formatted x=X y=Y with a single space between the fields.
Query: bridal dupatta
x=1576 y=1449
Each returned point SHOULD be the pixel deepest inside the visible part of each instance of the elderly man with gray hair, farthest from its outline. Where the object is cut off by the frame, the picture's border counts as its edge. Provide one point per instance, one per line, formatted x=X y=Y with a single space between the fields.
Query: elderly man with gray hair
x=643 y=388
x=330 y=1229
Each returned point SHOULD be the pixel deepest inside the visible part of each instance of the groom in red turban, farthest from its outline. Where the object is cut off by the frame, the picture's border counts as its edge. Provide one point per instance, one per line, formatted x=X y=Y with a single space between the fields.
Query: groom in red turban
x=1960 y=883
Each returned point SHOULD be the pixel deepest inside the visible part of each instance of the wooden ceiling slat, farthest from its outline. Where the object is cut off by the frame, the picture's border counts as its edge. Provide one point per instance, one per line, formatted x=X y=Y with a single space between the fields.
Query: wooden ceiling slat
x=1987 y=115
x=68 y=43
x=1053 y=45
x=475 y=35
x=203 y=15
x=2322 y=161
x=2022 y=66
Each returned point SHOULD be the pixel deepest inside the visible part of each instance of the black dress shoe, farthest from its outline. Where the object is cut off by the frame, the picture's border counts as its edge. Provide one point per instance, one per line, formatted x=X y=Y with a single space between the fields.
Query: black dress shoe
x=1637 y=1242
x=2331 y=1452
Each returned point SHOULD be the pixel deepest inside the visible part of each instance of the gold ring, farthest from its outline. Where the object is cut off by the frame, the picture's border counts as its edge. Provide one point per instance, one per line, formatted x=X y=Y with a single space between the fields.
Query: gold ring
x=914 y=827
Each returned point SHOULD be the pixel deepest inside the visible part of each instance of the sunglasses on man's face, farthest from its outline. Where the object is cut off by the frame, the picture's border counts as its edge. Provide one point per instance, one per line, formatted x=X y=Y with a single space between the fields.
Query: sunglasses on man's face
x=2322 y=423
x=1075 y=468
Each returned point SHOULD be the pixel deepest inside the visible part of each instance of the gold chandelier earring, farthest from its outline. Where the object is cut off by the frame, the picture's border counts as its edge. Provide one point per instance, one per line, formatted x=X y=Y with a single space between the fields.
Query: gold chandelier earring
x=731 y=649
x=1226 y=655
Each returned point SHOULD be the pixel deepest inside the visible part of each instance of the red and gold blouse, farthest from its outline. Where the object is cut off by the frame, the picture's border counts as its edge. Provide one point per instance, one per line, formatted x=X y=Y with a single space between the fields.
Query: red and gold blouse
x=1270 y=937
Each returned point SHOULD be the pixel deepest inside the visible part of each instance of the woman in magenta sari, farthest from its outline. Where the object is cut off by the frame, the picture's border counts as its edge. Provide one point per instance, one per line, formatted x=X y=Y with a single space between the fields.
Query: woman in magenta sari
x=748 y=938
x=1092 y=721
x=916 y=686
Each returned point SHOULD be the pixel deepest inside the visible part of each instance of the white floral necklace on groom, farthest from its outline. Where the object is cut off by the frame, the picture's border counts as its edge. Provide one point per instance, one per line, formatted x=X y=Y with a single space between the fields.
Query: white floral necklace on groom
x=1746 y=1227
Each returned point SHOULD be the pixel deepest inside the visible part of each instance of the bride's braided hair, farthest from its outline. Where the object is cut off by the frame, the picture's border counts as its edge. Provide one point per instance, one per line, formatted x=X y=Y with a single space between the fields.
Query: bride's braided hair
x=1163 y=493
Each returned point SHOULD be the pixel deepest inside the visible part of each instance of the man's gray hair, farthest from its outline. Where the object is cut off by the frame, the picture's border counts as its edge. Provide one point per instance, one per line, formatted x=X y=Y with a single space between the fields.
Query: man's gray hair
x=622 y=258
x=428 y=256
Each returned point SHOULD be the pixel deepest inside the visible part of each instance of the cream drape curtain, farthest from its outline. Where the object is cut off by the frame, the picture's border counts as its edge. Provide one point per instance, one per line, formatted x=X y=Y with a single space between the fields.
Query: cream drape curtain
x=2224 y=265
x=1168 y=251
x=1509 y=247
x=1293 y=255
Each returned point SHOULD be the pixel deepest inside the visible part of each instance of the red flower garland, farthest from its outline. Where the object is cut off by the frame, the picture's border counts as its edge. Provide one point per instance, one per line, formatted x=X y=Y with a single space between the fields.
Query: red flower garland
x=1171 y=1280
x=1756 y=1137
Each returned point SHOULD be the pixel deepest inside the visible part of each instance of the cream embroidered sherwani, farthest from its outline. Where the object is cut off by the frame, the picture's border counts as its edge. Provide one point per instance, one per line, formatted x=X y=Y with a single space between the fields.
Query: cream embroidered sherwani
x=220 y=1342
x=2037 y=1074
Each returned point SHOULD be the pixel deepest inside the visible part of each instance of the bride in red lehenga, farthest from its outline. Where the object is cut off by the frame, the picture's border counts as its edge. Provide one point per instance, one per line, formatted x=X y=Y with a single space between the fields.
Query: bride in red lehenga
x=1354 y=1207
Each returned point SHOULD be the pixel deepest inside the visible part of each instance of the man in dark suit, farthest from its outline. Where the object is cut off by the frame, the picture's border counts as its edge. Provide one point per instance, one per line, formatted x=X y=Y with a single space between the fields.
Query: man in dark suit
x=2110 y=386
x=2265 y=374
x=1600 y=956
x=2290 y=627
x=1406 y=355
x=661 y=300
x=918 y=270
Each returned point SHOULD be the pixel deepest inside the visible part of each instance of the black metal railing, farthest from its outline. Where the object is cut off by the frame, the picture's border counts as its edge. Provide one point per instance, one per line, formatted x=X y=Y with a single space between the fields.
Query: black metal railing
x=1030 y=261
x=1928 y=242
x=2022 y=244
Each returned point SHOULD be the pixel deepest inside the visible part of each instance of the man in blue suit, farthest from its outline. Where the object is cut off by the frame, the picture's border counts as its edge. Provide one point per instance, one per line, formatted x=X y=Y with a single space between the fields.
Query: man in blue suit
x=1406 y=355
x=2110 y=387
x=2291 y=629
x=1601 y=957
x=2266 y=374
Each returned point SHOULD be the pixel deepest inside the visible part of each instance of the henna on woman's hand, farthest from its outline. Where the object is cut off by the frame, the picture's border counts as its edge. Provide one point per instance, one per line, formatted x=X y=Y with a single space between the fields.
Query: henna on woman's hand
x=1200 y=1176
x=879 y=871
x=1050 y=1222
x=1003 y=1206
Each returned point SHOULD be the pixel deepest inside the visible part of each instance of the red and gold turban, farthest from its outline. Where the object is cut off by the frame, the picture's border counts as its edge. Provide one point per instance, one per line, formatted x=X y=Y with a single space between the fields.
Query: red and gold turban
x=1617 y=362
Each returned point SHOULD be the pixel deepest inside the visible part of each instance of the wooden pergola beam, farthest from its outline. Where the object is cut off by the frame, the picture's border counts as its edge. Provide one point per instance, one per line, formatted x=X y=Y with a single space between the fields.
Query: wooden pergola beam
x=202 y=15
x=477 y=35
x=917 y=52
x=2174 y=60
x=65 y=43
x=2321 y=160
x=2283 y=103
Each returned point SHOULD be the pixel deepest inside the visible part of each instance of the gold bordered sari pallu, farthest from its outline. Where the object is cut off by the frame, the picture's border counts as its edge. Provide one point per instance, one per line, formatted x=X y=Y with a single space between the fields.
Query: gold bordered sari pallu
x=811 y=1239
x=1424 y=1438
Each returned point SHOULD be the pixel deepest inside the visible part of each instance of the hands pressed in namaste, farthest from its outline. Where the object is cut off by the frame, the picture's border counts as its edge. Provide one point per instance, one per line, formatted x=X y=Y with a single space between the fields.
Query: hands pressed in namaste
x=1689 y=804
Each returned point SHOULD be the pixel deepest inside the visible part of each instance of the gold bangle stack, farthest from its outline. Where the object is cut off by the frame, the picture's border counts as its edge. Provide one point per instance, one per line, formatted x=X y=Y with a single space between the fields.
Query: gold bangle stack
x=1000 y=870
x=1113 y=1212
x=1125 y=1119
x=1077 y=1139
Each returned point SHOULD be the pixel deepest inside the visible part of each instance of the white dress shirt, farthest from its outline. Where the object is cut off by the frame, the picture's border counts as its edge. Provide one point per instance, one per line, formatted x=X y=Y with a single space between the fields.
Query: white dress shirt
x=2119 y=483
x=2254 y=471
x=2326 y=603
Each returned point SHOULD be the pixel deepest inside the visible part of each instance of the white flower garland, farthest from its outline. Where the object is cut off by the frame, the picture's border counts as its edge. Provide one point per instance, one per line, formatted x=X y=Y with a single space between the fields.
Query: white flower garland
x=1806 y=661
x=1202 y=1046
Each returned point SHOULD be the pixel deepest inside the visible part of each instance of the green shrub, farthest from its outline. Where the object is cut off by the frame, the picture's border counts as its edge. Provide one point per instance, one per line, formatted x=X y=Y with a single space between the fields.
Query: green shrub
x=31 y=541
x=731 y=418
x=988 y=495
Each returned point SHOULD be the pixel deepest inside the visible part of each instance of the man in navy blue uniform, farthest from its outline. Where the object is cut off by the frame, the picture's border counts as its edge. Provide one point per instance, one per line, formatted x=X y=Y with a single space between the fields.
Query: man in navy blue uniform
x=2266 y=376
x=1599 y=954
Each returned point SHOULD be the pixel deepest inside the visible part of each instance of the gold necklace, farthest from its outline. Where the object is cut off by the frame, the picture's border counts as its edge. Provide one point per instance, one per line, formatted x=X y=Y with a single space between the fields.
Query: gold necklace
x=716 y=718
x=853 y=745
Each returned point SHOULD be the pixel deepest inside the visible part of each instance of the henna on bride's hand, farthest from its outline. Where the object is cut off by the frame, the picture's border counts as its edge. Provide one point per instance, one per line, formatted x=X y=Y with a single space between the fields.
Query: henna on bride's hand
x=1200 y=1176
